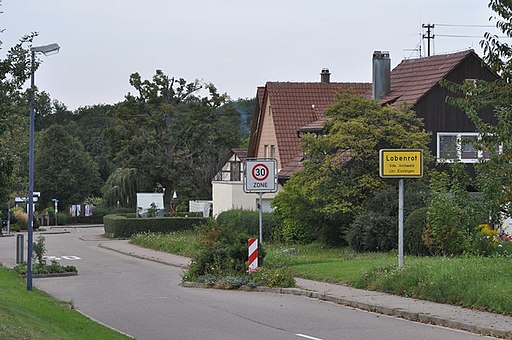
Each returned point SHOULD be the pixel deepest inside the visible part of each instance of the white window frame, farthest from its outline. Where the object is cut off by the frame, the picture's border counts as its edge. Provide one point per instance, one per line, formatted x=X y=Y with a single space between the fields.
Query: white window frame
x=460 y=136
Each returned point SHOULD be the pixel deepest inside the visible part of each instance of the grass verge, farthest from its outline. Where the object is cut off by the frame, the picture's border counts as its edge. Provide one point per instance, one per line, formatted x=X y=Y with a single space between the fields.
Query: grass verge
x=36 y=315
x=476 y=282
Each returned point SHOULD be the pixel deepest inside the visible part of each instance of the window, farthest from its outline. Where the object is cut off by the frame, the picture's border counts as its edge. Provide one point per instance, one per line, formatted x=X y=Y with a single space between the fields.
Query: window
x=265 y=151
x=459 y=146
x=272 y=151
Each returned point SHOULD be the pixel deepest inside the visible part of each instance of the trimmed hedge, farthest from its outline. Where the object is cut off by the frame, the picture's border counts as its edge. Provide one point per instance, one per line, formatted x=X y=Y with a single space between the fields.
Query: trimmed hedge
x=248 y=221
x=121 y=226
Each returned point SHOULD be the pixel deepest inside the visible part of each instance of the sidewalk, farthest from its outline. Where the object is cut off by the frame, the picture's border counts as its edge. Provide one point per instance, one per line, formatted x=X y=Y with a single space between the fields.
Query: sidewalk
x=416 y=310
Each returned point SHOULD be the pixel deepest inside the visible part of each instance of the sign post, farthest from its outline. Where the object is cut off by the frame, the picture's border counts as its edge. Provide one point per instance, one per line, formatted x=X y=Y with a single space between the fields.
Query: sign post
x=401 y=163
x=260 y=177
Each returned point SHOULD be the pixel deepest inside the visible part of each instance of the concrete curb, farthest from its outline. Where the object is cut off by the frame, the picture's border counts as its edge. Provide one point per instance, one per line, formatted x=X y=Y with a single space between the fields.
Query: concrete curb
x=50 y=275
x=426 y=318
x=143 y=257
x=394 y=312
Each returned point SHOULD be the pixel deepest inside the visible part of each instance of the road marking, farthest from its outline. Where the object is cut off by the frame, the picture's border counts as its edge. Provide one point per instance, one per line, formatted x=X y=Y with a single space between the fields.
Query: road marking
x=67 y=257
x=307 y=337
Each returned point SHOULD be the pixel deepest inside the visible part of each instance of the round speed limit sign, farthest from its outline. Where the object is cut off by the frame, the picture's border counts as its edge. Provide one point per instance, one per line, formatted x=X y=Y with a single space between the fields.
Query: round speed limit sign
x=260 y=172
x=260 y=175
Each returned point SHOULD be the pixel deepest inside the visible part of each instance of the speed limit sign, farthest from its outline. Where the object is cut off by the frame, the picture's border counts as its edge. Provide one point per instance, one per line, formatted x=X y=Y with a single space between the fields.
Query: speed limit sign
x=260 y=175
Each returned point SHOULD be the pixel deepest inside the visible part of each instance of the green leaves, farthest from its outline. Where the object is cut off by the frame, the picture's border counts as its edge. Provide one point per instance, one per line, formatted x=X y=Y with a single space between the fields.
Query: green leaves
x=341 y=168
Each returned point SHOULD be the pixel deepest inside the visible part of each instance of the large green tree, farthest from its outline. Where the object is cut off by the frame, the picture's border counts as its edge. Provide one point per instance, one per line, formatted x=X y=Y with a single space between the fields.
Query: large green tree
x=14 y=72
x=63 y=169
x=341 y=168
x=174 y=137
x=494 y=176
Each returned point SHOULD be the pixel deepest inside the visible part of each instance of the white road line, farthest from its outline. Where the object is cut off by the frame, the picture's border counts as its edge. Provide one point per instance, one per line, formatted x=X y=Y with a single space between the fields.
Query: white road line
x=307 y=337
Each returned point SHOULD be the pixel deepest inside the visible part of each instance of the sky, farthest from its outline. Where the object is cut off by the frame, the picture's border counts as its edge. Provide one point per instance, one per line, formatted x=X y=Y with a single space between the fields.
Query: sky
x=237 y=45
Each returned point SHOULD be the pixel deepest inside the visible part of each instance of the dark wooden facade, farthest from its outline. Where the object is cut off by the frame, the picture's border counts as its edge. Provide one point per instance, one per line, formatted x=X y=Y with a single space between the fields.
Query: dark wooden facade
x=438 y=115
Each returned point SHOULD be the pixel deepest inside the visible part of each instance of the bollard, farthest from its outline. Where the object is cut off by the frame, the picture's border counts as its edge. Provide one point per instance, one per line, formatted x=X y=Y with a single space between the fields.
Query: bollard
x=19 y=249
x=253 y=254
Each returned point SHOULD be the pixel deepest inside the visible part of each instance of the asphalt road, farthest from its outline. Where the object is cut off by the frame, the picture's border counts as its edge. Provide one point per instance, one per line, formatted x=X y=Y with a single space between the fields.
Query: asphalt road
x=144 y=299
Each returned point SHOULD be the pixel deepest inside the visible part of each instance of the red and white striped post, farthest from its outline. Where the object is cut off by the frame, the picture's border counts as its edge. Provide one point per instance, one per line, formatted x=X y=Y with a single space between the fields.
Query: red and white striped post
x=253 y=254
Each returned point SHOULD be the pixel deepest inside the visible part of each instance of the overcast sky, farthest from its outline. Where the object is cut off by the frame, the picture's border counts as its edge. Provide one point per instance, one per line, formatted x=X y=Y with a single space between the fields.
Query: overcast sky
x=235 y=44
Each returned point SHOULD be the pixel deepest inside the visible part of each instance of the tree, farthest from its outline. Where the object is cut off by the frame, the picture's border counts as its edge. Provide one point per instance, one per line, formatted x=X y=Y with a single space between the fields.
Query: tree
x=171 y=135
x=120 y=189
x=14 y=72
x=494 y=176
x=63 y=169
x=341 y=170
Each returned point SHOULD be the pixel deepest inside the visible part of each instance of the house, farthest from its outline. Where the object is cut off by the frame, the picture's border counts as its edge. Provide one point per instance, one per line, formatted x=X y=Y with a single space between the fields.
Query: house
x=417 y=82
x=286 y=110
x=227 y=186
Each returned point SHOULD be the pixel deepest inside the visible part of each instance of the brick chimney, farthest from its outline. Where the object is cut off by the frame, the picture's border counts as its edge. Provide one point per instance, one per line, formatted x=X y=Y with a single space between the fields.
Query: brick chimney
x=381 y=74
x=325 y=76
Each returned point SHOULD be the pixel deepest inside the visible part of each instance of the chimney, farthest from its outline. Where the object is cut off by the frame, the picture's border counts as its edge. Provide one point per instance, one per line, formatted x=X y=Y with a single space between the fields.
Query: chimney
x=381 y=74
x=325 y=76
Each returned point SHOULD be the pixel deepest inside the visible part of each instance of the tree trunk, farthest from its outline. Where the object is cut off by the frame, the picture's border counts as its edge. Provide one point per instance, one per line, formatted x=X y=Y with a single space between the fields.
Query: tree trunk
x=168 y=197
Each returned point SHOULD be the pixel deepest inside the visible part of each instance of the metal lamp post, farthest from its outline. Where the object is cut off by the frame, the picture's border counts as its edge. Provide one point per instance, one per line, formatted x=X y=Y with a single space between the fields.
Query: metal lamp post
x=47 y=49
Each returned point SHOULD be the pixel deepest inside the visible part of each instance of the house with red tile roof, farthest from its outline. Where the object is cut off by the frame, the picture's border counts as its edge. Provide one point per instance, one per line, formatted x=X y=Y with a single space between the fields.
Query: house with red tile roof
x=287 y=110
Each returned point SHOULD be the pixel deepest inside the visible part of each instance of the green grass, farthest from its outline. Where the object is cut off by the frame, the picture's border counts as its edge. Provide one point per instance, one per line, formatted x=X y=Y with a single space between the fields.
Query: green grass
x=179 y=242
x=36 y=315
x=476 y=282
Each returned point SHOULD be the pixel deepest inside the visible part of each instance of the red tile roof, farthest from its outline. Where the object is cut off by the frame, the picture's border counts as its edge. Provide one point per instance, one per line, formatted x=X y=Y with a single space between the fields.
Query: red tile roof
x=413 y=78
x=240 y=153
x=295 y=105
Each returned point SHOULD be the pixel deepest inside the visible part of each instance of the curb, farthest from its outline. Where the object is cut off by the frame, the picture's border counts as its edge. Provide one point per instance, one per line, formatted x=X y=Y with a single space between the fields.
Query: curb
x=395 y=312
x=42 y=276
x=142 y=257
x=425 y=318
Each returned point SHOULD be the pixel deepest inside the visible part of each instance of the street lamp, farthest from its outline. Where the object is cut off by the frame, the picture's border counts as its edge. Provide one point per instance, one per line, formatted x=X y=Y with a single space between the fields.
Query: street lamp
x=46 y=50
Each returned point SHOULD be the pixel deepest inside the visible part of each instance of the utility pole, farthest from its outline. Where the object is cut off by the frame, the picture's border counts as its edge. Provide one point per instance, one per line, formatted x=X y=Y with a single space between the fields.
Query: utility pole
x=428 y=36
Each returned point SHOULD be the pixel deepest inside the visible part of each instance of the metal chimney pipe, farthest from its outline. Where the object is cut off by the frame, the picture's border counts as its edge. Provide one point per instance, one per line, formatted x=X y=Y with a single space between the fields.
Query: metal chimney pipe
x=381 y=74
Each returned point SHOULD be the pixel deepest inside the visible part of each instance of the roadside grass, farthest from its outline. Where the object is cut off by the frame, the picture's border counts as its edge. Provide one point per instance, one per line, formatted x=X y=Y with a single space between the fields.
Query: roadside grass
x=179 y=242
x=36 y=315
x=475 y=282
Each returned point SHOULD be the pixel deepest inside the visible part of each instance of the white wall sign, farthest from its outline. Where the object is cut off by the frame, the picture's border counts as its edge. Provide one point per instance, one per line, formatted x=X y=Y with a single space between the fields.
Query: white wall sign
x=260 y=175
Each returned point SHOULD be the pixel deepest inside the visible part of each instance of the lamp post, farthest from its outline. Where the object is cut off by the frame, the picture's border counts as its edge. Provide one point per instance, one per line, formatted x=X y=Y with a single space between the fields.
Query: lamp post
x=56 y=208
x=47 y=49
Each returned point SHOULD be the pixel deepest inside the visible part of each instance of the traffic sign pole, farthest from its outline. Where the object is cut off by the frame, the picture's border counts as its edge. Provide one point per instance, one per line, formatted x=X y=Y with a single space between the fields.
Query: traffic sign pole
x=400 y=164
x=401 y=223
x=260 y=177
x=261 y=217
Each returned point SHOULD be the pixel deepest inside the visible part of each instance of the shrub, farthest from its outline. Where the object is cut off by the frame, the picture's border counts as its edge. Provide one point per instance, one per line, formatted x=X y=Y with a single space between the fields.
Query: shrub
x=124 y=226
x=247 y=221
x=275 y=277
x=373 y=232
x=39 y=250
x=223 y=251
x=452 y=214
x=414 y=227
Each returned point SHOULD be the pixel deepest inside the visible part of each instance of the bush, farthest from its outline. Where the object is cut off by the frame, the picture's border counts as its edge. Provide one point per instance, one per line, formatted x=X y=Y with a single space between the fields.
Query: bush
x=414 y=227
x=275 y=277
x=452 y=214
x=223 y=252
x=247 y=221
x=373 y=232
x=124 y=226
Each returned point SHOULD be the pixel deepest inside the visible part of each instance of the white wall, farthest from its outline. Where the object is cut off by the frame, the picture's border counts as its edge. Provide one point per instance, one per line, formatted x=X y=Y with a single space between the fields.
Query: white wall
x=231 y=195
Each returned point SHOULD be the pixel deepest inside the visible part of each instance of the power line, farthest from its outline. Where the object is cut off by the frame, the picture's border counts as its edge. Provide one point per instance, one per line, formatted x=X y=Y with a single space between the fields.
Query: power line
x=476 y=26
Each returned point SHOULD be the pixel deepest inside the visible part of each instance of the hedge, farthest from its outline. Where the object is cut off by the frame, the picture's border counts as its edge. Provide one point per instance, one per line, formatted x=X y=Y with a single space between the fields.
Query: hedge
x=121 y=226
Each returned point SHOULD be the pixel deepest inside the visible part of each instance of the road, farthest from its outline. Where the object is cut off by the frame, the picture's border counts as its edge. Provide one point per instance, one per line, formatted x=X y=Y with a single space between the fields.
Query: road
x=144 y=299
